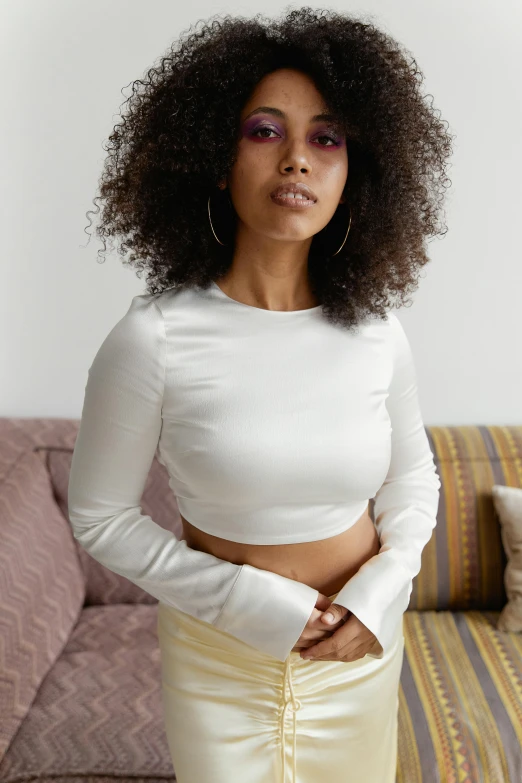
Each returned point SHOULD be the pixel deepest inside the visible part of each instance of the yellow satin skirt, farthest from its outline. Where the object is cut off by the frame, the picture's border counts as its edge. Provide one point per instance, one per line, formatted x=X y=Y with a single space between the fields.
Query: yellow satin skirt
x=233 y=714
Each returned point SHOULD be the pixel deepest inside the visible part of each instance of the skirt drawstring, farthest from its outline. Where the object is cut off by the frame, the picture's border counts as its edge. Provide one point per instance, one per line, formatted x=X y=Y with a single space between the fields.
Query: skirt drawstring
x=295 y=705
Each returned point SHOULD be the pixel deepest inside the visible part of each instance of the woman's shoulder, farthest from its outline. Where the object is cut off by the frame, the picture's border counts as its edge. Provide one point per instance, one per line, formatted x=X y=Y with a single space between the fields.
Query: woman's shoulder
x=162 y=301
x=150 y=307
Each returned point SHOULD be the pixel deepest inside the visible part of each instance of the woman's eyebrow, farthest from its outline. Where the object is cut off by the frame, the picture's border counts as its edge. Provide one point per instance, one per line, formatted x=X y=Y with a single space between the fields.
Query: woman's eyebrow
x=279 y=113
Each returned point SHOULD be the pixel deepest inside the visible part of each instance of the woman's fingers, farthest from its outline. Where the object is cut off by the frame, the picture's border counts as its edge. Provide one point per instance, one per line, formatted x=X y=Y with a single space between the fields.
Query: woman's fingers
x=315 y=630
x=323 y=602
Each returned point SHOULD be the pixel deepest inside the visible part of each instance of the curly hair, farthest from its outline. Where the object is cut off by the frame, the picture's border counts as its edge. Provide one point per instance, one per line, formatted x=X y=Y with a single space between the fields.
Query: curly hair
x=179 y=138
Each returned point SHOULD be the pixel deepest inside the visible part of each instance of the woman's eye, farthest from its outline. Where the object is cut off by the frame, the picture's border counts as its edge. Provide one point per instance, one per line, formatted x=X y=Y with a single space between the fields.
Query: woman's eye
x=333 y=142
x=259 y=130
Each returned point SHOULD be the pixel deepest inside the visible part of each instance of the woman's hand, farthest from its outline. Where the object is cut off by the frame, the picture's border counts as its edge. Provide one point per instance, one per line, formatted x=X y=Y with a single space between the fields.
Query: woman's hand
x=315 y=630
x=350 y=641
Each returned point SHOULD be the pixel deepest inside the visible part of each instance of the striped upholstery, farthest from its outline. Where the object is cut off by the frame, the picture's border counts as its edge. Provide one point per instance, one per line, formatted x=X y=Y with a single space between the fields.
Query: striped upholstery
x=463 y=564
x=460 y=698
x=460 y=701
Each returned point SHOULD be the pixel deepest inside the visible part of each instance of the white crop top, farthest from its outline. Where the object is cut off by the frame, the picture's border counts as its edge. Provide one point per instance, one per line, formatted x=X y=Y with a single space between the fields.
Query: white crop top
x=275 y=427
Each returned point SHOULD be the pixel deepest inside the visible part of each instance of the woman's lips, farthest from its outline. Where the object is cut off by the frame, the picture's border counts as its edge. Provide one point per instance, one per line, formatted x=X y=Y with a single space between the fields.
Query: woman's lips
x=293 y=203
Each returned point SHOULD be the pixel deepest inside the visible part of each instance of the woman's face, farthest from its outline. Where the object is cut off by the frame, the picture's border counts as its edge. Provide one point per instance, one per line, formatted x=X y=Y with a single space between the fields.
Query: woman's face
x=281 y=142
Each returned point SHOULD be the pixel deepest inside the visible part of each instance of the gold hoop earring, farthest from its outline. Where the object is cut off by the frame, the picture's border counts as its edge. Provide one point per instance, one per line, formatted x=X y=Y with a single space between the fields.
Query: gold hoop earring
x=226 y=213
x=346 y=235
x=212 y=227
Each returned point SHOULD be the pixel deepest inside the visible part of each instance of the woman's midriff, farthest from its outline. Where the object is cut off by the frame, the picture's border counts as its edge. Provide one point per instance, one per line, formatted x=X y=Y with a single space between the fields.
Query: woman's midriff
x=326 y=565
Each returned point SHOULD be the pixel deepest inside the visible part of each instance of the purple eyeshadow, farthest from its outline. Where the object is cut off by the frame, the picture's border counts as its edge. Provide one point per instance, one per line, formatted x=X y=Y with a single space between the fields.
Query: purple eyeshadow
x=254 y=123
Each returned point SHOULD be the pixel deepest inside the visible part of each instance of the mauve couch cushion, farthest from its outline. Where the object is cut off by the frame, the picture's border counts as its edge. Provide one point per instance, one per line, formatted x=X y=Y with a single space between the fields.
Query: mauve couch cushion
x=99 y=710
x=41 y=588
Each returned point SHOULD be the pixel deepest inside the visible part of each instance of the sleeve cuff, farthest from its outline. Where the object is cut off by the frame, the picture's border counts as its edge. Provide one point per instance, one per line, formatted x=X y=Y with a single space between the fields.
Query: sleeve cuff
x=267 y=611
x=378 y=595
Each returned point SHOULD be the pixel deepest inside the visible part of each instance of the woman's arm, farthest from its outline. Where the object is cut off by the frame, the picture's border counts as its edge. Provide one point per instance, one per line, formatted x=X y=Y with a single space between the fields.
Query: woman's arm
x=116 y=443
x=405 y=508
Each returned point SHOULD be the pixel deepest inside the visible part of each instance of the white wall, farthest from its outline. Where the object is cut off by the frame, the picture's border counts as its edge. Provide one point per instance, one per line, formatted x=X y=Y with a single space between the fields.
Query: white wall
x=64 y=66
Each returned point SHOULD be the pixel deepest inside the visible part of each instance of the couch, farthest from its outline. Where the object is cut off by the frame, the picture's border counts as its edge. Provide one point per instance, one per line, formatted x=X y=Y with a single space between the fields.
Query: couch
x=80 y=681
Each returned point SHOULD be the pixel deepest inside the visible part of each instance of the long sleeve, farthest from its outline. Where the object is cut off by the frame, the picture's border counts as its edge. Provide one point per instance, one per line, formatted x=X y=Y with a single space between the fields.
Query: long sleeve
x=119 y=432
x=405 y=508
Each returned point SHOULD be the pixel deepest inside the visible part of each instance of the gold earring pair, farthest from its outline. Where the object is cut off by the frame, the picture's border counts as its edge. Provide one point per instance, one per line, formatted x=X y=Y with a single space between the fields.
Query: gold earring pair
x=334 y=254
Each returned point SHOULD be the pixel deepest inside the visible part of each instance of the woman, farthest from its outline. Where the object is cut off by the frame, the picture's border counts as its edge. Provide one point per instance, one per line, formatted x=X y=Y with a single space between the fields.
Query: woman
x=265 y=368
